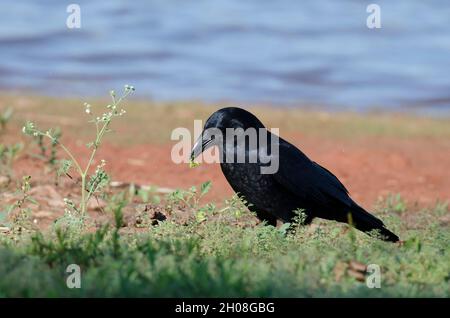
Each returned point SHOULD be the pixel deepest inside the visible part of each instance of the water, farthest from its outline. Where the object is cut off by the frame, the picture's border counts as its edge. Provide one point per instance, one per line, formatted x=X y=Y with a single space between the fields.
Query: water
x=309 y=52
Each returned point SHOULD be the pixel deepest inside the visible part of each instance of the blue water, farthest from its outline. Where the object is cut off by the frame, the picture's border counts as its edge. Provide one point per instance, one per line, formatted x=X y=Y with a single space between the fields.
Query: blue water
x=309 y=52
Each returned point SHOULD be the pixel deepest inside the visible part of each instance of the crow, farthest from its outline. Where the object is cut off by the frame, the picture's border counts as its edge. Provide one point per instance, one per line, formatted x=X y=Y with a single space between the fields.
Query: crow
x=291 y=181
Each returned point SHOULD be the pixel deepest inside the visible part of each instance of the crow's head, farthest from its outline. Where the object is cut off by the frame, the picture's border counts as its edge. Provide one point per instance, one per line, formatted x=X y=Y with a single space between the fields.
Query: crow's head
x=217 y=124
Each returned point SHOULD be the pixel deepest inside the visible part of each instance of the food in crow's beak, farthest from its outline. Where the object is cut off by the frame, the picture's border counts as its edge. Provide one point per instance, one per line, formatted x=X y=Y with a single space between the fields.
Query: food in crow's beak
x=193 y=164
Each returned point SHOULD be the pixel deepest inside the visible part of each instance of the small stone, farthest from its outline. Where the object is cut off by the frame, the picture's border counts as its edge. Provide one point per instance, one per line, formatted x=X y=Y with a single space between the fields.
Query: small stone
x=357 y=270
x=96 y=204
x=140 y=208
x=43 y=214
x=361 y=277
x=357 y=266
x=4 y=181
x=4 y=229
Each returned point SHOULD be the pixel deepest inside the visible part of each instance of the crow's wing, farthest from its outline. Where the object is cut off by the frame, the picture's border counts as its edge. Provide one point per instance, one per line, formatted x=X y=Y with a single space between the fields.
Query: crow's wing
x=309 y=181
x=317 y=187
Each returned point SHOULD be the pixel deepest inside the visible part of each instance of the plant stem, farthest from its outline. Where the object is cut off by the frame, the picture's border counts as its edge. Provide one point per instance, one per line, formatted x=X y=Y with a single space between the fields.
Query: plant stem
x=77 y=165
x=83 y=202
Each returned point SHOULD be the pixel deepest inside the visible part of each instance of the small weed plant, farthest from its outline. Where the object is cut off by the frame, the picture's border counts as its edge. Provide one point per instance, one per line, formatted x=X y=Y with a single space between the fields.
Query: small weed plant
x=90 y=184
x=5 y=117
x=9 y=154
x=19 y=213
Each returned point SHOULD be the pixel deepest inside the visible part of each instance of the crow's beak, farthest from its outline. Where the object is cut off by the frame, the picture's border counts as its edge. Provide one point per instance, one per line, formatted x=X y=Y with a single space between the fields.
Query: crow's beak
x=200 y=146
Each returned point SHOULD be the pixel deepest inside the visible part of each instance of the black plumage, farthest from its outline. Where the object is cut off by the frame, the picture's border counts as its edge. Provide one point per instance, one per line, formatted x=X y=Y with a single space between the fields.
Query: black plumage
x=298 y=183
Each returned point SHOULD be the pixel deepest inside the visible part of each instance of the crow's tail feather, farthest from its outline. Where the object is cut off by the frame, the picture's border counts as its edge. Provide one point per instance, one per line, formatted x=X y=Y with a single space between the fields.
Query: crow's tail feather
x=366 y=222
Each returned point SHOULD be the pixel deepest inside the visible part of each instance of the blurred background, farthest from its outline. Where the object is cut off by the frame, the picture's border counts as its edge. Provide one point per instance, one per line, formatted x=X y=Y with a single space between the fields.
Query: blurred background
x=284 y=53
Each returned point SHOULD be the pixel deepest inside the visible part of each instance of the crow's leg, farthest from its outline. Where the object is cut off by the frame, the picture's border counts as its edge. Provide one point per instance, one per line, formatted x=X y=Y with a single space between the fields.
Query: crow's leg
x=269 y=218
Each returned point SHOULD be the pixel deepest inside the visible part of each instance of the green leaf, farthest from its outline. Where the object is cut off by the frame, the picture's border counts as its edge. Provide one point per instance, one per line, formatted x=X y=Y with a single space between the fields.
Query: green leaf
x=132 y=191
x=178 y=194
x=156 y=199
x=200 y=216
x=7 y=114
x=283 y=229
x=32 y=201
x=144 y=194
x=205 y=187
x=64 y=167
x=193 y=164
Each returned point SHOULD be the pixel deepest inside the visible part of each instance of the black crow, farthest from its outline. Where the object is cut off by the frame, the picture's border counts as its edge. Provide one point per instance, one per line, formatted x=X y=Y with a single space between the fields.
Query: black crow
x=291 y=180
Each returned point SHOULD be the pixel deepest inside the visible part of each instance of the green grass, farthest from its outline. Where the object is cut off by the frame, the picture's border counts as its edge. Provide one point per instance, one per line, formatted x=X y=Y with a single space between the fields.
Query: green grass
x=218 y=258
